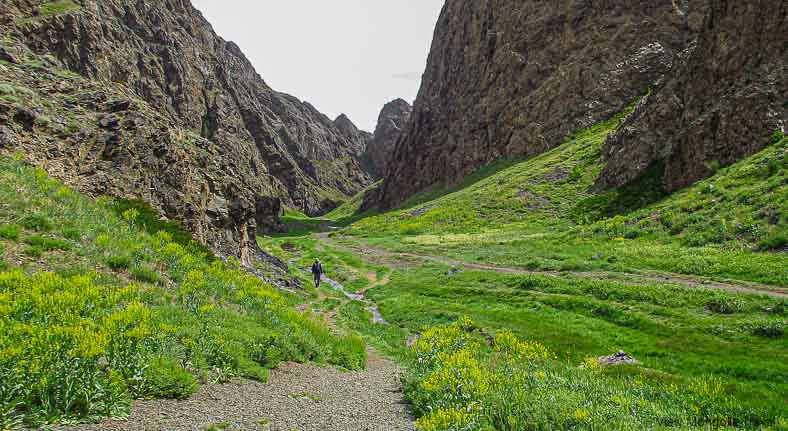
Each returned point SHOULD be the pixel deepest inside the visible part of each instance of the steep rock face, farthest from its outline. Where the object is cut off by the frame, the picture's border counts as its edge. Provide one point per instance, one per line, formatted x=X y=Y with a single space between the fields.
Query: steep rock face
x=510 y=78
x=723 y=101
x=172 y=114
x=391 y=123
x=358 y=140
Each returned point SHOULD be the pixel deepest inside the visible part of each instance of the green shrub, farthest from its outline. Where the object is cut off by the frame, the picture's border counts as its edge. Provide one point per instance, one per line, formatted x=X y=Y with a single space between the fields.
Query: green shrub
x=119 y=262
x=725 y=305
x=165 y=378
x=37 y=222
x=767 y=328
x=10 y=232
x=34 y=252
x=47 y=244
x=350 y=352
x=71 y=233
x=775 y=241
x=146 y=274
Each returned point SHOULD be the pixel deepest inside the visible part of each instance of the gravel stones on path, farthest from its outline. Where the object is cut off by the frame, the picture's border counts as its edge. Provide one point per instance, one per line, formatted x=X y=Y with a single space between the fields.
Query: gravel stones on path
x=303 y=397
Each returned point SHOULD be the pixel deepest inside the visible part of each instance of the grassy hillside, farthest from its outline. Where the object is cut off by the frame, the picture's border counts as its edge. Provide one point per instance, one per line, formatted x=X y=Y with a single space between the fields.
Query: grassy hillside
x=709 y=358
x=100 y=303
x=463 y=378
x=543 y=213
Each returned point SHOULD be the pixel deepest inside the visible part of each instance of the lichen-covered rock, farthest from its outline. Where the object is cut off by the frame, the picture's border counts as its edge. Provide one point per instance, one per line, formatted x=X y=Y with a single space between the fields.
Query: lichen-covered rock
x=391 y=122
x=168 y=112
x=722 y=101
x=510 y=78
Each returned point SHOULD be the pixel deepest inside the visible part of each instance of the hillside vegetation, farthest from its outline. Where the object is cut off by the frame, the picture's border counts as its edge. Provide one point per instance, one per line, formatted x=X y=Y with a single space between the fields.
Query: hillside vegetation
x=583 y=273
x=101 y=303
x=527 y=213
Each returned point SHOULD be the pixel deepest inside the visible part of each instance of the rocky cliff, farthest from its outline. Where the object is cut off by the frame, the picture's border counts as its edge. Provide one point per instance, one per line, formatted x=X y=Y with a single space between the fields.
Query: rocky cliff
x=164 y=110
x=510 y=78
x=358 y=140
x=391 y=123
x=723 y=101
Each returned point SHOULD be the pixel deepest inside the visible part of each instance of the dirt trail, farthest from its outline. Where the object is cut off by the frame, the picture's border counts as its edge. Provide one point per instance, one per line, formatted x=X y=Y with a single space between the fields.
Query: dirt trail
x=303 y=397
x=397 y=259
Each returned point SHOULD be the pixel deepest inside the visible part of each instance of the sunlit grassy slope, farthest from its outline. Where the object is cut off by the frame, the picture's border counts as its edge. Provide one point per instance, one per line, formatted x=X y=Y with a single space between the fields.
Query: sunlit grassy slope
x=543 y=213
x=100 y=303
x=708 y=358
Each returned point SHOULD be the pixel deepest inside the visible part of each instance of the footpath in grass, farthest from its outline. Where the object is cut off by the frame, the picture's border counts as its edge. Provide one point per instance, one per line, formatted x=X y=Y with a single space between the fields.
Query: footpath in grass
x=678 y=334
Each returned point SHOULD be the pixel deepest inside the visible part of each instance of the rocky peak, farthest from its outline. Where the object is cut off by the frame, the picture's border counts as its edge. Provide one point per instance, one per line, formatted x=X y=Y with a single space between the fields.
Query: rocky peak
x=391 y=122
x=514 y=78
x=358 y=139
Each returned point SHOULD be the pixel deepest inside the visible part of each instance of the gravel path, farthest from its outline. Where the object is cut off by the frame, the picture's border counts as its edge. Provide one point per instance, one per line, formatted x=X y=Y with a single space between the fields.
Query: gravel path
x=301 y=397
x=297 y=397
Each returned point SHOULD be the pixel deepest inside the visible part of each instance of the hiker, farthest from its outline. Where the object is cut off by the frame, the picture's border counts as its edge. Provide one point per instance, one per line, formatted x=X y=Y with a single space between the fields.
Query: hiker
x=317 y=271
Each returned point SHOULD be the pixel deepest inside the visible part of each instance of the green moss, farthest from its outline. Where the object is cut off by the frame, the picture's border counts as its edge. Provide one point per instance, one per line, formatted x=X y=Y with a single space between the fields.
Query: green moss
x=59 y=7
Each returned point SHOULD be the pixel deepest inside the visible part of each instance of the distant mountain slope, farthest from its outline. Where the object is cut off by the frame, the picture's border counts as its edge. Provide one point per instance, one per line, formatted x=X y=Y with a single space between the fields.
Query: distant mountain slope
x=391 y=123
x=514 y=78
x=169 y=113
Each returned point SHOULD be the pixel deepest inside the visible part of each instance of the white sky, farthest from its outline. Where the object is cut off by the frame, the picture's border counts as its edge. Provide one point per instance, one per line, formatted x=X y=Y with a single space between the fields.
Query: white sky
x=342 y=56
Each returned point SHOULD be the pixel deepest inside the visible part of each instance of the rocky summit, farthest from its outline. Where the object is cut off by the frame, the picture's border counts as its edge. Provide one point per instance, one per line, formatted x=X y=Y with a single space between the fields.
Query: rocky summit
x=143 y=100
x=514 y=78
x=392 y=121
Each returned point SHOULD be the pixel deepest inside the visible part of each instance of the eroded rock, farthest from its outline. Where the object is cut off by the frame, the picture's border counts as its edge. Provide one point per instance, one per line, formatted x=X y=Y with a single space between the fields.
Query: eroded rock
x=512 y=78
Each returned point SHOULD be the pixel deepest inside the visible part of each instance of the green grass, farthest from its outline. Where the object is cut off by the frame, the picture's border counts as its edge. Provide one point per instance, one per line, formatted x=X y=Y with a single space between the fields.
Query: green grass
x=120 y=305
x=542 y=213
x=668 y=328
x=461 y=379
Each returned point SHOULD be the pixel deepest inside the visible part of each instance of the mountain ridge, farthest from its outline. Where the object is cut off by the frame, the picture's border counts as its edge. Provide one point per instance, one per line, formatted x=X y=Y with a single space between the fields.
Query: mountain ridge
x=264 y=145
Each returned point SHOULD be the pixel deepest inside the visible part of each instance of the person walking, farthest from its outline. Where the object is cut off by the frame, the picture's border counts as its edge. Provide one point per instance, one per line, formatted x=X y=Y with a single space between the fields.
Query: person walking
x=317 y=272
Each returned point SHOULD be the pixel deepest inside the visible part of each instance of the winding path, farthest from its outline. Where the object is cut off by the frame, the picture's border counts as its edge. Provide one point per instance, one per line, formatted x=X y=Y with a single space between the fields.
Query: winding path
x=297 y=397
x=397 y=259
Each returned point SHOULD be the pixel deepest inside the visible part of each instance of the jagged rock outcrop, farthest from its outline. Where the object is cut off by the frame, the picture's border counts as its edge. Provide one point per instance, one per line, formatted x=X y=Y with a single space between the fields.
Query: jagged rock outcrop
x=510 y=78
x=358 y=140
x=722 y=102
x=391 y=122
x=168 y=112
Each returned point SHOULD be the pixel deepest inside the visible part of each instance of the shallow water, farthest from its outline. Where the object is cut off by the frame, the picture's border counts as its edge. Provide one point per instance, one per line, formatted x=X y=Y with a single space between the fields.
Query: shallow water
x=376 y=318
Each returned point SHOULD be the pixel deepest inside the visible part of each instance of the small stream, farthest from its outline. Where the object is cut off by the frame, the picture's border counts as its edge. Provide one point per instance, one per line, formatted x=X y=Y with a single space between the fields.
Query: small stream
x=376 y=319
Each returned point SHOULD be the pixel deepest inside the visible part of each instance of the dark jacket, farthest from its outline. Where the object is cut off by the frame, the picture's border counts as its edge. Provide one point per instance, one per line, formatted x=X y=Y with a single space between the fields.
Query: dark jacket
x=317 y=268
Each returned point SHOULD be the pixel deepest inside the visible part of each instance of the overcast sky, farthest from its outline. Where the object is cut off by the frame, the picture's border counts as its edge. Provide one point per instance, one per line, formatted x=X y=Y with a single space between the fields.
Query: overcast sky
x=342 y=56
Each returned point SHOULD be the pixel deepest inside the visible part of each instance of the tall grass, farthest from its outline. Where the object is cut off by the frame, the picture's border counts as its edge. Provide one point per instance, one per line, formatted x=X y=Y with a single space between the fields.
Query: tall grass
x=114 y=310
x=461 y=380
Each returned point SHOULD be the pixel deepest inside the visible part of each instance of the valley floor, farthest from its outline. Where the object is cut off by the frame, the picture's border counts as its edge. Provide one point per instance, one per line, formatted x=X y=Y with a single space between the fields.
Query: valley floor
x=303 y=397
x=675 y=324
